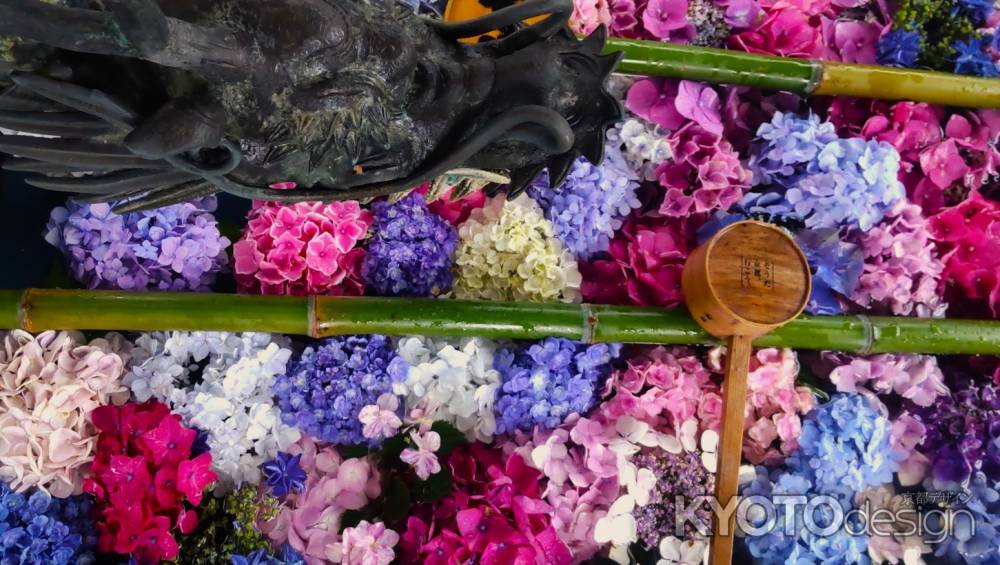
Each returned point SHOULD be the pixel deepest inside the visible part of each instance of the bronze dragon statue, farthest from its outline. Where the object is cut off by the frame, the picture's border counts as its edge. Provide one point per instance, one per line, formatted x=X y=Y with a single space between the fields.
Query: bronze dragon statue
x=151 y=102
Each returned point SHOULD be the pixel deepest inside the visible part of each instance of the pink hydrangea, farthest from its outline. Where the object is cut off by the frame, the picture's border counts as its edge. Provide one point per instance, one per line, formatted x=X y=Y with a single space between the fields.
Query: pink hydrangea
x=588 y=15
x=310 y=521
x=851 y=41
x=457 y=211
x=916 y=378
x=303 y=248
x=705 y=174
x=368 y=544
x=666 y=20
x=969 y=235
x=647 y=257
x=671 y=103
x=902 y=271
x=775 y=406
x=49 y=385
x=788 y=32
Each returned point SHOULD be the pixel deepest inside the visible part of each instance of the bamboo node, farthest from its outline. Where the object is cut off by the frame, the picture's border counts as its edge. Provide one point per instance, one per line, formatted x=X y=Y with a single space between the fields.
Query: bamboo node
x=312 y=312
x=590 y=322
x=869 y=334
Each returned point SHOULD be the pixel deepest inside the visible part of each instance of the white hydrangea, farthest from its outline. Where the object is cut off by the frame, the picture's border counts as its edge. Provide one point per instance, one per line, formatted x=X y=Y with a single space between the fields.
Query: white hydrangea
x=644 y=145
x=452 y=380
x=220 y=383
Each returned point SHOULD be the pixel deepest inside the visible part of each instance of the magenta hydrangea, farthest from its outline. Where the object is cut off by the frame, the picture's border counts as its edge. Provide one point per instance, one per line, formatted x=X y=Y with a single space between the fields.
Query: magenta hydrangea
x=302 y=248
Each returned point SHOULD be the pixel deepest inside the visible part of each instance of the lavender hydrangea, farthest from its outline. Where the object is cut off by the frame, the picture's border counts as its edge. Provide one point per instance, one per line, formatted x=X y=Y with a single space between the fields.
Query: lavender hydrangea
x=824 y=181
x=411 y=251
x=590 y=205
x=173 y=248
x=35 y=528
x=546 y=381
x=326 y=387
x=974 y=536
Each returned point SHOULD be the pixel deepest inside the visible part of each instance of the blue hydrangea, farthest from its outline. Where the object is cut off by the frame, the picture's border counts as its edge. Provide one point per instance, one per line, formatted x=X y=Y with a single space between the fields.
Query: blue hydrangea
x=974 y=537
x=836 y=266
x=287 y=556
x=971 y=58
x=546 y=381
x=844 y=446
x=898 y=48
x=786 y=145
x=325 y=388
x=411 y=251
x=284 y=474
x=976 y=10
x=824 y=181
x=35 y=528
x=778 y=545
x=843 y=449
x=590 y=205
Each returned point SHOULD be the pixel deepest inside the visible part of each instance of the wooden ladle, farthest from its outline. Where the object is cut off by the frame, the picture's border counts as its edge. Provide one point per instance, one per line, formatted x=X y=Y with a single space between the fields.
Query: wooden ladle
x=746 y=281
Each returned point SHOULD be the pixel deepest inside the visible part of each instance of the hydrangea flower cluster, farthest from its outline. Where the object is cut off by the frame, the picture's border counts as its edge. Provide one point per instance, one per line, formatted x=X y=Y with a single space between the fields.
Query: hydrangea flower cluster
x=672 y=104
x=676 y=475
x=547 y=381
x=302 y=248
x=453 y=381
x=221 y=383
x=647 y=257
x=325 y=388
x=508 y=251
x=974 y=538
x=968 y=234
x=287 y=556
x=825 y=181
x=145 y=481
x=49 y=385
x=38 y=529
x=961 y=432
x=173 y=248
x=310 y=521
x=945 y=155
x=642 y=144
x=916 y=378
x=845 y=447
x=411 y=251
x=588 y=207
x=836 y=266
x=494 y=509
x=902 y=271
x=704 y=175
x=458 y=210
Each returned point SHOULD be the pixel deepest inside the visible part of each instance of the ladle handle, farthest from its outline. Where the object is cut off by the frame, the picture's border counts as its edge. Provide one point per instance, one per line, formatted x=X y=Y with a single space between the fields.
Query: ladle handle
x=730 y=449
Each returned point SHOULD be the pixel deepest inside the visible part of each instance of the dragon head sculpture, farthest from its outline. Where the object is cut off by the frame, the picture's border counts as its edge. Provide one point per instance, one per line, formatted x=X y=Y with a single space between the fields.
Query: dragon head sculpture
x=159 y=101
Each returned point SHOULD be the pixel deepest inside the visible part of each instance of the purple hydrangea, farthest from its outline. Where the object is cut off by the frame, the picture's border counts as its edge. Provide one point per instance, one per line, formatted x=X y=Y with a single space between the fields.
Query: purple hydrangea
x=284 y=474
x=590 y=205
x=546 y=381
x=35 y=528
x=173 y=248
x=411 y=251
x=325 y=388
x=681 y=474
x=974 y=536
x=962 y=434
x=836 y=267
x=786 y=145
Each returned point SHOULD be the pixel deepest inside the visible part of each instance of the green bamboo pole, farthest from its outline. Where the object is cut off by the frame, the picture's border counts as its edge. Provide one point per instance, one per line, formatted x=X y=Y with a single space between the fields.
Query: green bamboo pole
x=37 y=310
x=804 y=76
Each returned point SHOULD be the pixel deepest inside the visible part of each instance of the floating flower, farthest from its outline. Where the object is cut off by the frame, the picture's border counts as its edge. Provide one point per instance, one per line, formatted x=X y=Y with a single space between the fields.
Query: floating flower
x=369 y=544
x=647 y=257
x=899 y=48
x=788 y=33
x=960 y=434
x=423 y=459
x=643 y=145
x=453 y=381
x=284 y=475
x=172 y=248
x=972 y=58
x=546 y=382
x=589 y=206
x=325 y=389
x=49 y=385
x=508 y=251
x=380 y=419
x=666 y=20
x=310 y=521
x=220 y=383
x=302 y=248
x=836 y=266
x=39 y=529
x=705 y=173
x=968 y=234
x=411 y=250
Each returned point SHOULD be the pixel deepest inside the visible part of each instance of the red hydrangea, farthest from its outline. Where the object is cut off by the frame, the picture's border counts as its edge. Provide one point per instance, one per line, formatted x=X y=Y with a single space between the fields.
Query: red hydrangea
x=646 y=259
x=494 y=515
x=969 y=235
x=302 y=248
x=145 y=480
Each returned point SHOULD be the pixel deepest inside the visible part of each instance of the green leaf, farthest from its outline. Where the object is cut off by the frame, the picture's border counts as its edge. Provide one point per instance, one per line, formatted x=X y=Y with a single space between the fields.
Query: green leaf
x=450 y=437
x=353 y=451
x=397 y=501
x=436 y=487
x=391 y=448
